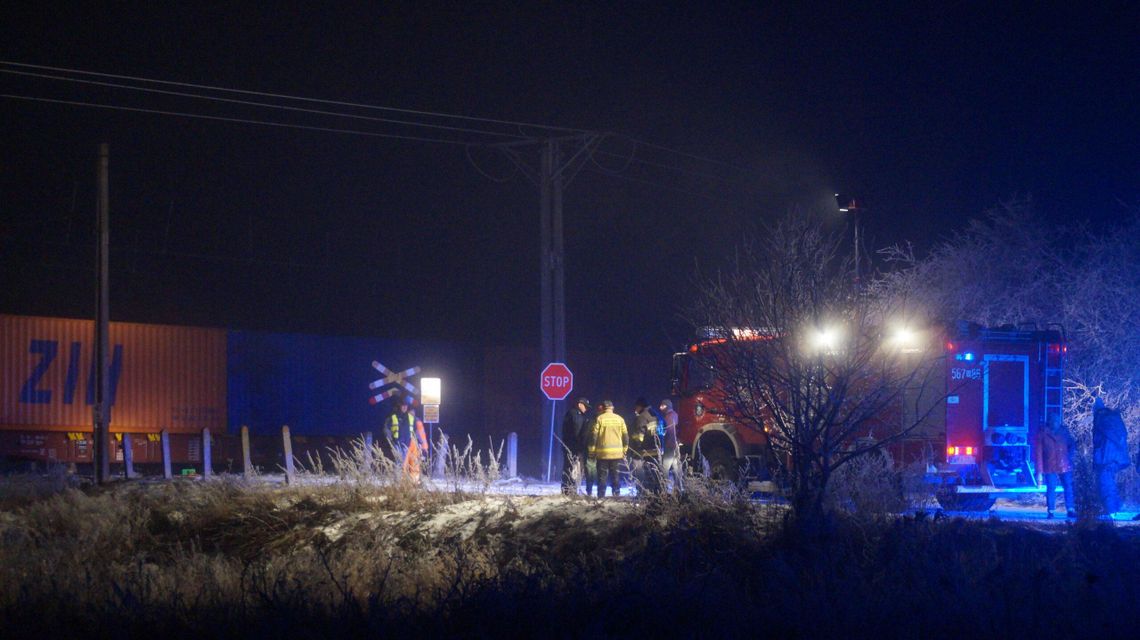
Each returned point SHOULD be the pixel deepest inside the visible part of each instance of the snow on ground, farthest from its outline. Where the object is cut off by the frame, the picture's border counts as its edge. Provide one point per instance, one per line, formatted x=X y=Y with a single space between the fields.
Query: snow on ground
x=1012 y=511
x=463 y=514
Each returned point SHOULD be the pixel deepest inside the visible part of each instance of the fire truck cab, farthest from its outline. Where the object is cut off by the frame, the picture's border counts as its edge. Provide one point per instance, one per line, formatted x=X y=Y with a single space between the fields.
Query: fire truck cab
x=704 y=429
x=1002 y=384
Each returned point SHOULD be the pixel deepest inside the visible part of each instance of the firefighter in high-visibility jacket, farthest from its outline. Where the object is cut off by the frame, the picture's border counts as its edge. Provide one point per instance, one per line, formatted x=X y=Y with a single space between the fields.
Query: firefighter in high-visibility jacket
x=408 y=439
x=609 y=443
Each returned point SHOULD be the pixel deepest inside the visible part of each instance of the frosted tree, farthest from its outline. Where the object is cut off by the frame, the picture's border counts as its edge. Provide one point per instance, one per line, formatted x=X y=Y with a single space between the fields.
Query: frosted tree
x=804 y=357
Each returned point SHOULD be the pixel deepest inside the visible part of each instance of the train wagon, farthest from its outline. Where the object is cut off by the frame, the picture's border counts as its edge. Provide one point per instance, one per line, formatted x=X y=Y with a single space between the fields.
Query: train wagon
x=170 y=378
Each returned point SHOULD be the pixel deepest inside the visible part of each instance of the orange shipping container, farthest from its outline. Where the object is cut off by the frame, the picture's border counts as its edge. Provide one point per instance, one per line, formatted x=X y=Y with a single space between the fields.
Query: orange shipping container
x=162 y=377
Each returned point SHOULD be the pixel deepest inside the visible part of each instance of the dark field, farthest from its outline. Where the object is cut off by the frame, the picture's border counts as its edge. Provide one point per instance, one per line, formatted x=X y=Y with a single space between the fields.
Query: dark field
x=225 y=559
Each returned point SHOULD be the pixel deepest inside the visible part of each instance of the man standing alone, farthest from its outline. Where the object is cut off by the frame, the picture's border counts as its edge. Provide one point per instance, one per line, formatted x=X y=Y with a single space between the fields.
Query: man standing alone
x=409 y=443
x=610 y=442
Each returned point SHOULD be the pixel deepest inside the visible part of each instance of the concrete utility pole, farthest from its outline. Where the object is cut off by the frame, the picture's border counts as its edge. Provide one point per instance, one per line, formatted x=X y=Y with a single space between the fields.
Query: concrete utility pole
x=102 y=409
x=553 y=175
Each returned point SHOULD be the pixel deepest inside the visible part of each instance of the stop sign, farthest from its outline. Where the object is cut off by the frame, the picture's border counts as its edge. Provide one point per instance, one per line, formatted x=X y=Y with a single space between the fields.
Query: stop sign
x=556 y=381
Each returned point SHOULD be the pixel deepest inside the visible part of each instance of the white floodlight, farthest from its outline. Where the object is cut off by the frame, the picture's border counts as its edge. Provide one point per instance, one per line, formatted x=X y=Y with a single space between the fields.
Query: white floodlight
x=825 y=340
x=905 y=339
x=430 y=391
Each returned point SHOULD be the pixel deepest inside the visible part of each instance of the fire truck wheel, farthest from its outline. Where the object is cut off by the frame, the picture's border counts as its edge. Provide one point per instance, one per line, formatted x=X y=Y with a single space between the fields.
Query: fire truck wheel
x=722 y=464
x=965 y=501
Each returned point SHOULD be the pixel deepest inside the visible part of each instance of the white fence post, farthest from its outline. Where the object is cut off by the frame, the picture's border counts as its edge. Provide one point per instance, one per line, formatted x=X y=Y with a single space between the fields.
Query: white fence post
x=440 y=462
x=368 y=451
x=207 y=458
x=290 y=478
x=167 y=471
x=246 y=463
x=512 y=455
x=128 y=458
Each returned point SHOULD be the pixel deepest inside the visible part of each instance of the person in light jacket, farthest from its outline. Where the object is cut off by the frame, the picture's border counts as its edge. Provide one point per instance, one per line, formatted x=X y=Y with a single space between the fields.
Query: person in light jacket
x=610 y=443
x=1056 y=446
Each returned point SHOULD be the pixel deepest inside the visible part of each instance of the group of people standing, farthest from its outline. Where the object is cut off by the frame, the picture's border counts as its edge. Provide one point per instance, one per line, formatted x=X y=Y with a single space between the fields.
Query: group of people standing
x=1110 y=456
x=599 y=446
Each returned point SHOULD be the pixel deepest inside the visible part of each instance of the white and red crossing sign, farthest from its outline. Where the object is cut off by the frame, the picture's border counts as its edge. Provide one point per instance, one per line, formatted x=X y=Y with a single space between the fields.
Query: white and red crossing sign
x=395 y=379
x=556 y=381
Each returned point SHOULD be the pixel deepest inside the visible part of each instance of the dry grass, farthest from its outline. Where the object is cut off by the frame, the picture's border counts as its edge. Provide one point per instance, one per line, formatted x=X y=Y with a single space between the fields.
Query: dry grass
x=377 y=554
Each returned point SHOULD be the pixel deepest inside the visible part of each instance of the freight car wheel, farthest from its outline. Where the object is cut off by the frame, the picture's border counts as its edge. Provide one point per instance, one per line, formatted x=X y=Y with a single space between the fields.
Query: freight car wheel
x=965 y=501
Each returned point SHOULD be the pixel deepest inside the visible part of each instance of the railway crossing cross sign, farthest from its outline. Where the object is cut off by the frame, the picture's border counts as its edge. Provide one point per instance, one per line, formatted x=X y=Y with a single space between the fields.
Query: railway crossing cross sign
x=396 y=379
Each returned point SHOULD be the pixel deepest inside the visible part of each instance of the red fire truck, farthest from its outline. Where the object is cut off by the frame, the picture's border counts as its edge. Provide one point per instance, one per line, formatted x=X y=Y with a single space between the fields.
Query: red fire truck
x=1000 y=385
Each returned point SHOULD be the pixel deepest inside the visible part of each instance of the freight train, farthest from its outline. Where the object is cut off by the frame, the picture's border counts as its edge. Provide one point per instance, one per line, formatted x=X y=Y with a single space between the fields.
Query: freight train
x=185 y=380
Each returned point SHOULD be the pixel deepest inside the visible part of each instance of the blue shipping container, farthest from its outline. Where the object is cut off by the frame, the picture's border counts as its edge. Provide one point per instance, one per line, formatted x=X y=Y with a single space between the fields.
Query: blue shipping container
x=318 y=385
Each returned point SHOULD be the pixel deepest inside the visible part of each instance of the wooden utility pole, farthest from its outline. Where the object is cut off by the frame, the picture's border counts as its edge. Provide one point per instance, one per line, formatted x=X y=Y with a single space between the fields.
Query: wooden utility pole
x=102 y=410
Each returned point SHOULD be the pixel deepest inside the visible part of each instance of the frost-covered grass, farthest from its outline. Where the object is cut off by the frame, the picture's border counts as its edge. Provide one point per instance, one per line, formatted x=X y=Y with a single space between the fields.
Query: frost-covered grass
x=374 y=555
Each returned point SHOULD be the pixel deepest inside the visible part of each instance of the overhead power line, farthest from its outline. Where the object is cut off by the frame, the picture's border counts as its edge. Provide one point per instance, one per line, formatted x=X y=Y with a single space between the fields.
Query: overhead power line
x=195 y=92
x=268 y=105
x=285 y=125
x=283 y=96
x=340 y=103
x=686 y=154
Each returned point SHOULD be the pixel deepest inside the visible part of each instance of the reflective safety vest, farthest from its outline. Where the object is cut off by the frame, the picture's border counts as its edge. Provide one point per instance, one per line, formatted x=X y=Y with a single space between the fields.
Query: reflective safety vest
x=611 y=437
x=401 y=426
x=644 y=441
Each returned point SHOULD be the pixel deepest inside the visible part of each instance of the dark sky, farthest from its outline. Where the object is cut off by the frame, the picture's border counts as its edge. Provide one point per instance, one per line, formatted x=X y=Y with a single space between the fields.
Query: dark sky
x=930 y=113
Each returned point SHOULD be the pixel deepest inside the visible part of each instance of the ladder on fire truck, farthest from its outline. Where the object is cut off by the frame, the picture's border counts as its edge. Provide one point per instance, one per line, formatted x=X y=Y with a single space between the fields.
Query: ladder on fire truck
x=1054 y=376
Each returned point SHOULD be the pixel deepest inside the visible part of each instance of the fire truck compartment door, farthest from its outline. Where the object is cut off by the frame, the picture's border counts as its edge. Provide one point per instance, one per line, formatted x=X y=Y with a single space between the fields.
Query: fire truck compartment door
x=1005 y=391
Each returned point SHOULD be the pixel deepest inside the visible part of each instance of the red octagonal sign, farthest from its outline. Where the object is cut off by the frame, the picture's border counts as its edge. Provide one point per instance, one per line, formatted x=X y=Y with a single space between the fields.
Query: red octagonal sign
x=556 y=381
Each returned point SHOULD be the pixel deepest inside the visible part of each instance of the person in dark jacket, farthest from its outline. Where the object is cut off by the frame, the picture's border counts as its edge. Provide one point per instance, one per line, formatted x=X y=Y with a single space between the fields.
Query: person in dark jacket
x=1056 y=447
x=1110 y=454
x=573 y=443
x=645 y=447
x=671 y=454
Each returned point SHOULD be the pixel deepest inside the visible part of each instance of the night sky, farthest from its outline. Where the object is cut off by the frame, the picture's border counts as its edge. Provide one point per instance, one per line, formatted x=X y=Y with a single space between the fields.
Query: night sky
x=930 y=113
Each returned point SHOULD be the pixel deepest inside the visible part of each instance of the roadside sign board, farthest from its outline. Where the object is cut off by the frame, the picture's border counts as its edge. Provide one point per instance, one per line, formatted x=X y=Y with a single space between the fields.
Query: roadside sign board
x=431 y=413
x=556 y=381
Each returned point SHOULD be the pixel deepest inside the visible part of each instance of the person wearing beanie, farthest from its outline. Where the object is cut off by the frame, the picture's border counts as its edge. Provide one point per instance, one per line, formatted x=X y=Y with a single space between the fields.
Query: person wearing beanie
x=671 y=450
x=645 y=447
